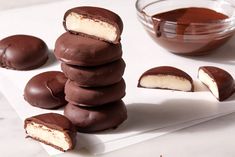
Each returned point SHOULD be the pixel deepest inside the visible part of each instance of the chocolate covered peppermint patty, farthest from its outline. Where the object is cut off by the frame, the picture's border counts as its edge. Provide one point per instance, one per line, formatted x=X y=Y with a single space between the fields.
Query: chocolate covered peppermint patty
x=93 y=119
x=52 y=129
x=219 y=81
x=94 y=22
x=46 y=90
x=82 y=51
x=166 y=77
x=22 y=52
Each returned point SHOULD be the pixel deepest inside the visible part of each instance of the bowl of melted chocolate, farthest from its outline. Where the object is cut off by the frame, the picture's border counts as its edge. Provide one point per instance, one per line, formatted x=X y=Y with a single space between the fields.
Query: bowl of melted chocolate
x=188 y=27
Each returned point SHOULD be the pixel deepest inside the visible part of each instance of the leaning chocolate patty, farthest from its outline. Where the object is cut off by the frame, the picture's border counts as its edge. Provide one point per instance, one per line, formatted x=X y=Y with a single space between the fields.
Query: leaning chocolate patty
x=98 y=118
x=46 y=90
x=219 y=81
x=97 y=76
x=52 y=129
x=22 y=52
x=98 y=23
x=81 y=51
x=94 y=96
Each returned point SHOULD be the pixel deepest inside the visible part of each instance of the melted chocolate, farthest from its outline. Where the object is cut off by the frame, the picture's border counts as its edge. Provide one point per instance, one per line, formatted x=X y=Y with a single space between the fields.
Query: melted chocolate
x=185 y=38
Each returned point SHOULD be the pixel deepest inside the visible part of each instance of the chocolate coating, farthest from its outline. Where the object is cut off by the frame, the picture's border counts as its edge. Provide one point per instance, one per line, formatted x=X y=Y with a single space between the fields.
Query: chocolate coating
x=94 y=96
x=223 y=79
x=46 y=90
x=96 y=119
x=81 y=51
x=96 y=13
x=95 y=76
x=56 y=122
x=191 y=31
x=167 y=70
x=22 y=52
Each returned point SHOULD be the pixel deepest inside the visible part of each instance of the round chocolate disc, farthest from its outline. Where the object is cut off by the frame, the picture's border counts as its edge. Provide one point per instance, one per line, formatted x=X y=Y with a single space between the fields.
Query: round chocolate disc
x=93 y=96
x=22 y=52
x=98 y=118
x=82 y=51
x=46 y=90
x=95 y=76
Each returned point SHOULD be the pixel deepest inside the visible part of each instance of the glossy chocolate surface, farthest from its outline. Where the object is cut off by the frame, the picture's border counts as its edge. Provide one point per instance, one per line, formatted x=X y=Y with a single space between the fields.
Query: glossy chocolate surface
x=95 y=13
x=22 y=52
x=82 y=51
x=184 y=36
x=58 y=122
x=93 y=96
x=46 y=90
x=95 y=119
x=223 y=79
x=167 y=70
x=97 y=76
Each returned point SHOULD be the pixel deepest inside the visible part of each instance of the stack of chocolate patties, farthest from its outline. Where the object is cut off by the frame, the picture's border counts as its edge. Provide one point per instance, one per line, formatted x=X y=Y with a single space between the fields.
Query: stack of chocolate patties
x=91 y=56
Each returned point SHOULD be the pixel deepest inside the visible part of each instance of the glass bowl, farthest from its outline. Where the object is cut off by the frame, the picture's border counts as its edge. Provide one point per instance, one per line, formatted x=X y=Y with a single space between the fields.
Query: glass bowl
x=197 y=38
